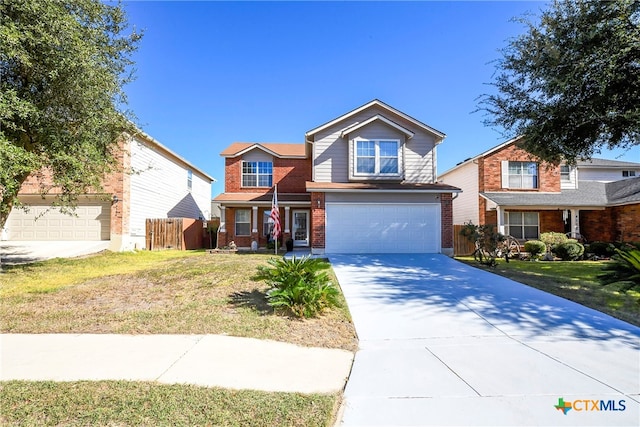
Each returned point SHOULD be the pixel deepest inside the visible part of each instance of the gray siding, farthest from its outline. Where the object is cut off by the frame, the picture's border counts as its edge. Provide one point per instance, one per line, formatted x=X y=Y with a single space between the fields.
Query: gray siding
x=331 y=153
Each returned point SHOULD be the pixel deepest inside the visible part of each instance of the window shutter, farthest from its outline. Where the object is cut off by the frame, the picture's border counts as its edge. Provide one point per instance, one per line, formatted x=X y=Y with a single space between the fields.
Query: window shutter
x=505 y=174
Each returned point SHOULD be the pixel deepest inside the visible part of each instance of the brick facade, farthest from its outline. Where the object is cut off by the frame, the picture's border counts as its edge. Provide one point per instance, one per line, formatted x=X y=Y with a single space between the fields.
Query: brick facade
x=290 y=175
x=318 y=226
x=446 y=222
x=490 y=167
x=627 y=223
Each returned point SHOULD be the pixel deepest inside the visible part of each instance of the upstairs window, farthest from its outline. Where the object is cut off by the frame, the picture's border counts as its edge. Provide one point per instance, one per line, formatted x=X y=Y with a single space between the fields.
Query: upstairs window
x=257 y=174
x=565 y=173
x=519 y=175
x=628 y=174
x=376 y=157
x=189 y=179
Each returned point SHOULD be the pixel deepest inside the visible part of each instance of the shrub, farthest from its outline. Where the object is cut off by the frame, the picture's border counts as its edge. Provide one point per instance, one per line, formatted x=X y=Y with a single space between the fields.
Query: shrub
x=299 y=285
x=535 y=247
x=602 y=249
x=623 y=269
x=569 y=251
x=553 y=239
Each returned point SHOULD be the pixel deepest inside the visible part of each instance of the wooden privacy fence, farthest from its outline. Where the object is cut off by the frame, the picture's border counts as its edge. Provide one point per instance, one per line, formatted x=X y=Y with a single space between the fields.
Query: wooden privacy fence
x=461 y=246
x=174 y=233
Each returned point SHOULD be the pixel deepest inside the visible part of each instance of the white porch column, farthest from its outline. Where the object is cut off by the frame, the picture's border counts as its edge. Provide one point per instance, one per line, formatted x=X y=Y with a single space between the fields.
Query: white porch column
x=223 y=222
x=500 y=219
x=254 y=220
x=575 y=223
x=287 y=228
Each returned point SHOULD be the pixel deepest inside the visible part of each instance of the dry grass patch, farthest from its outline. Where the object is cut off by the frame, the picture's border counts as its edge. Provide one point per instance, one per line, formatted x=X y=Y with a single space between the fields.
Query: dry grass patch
x=121 y=403
x=159 y=293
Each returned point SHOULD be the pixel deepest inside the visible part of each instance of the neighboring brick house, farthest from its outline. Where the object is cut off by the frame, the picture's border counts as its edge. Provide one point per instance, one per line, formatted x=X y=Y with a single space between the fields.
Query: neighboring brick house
x=361 y=183
x=150 y=181
x=598 y=199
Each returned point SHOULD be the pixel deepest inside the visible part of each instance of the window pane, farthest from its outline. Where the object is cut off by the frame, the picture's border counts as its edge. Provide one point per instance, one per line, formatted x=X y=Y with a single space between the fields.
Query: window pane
x=515 y=181
x=530 y=232
x=243 y=215
x=528 y=182
x=249 y=167
x=531 y=168
x=366 y=148
x=264 y=180
x=515 y=168
x=265 y=167
x=515 y=218
x=531 y=218
x=388 y=149
x=389 y=165
x=242 y=229
x=366 y=165
x=515 y=232
x=249 y=181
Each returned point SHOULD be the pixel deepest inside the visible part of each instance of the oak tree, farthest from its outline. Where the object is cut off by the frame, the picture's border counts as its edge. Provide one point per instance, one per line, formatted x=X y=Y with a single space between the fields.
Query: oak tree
x=63 y=65
x=571 y=83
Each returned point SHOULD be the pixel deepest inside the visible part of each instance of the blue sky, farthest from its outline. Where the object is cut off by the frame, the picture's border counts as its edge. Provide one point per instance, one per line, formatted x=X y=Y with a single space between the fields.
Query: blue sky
x=213 y=73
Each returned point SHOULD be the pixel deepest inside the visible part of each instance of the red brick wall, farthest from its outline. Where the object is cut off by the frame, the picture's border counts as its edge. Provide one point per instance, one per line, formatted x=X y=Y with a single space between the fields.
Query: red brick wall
x=446 y=220
x=598 y=226
x=490 y=170
x=317 y=221
x=627 y=223
x=290 y=175
x=551 y=221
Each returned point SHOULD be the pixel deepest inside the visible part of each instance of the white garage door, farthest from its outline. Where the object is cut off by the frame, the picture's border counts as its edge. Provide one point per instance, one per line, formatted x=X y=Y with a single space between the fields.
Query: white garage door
x=43 y=222
x=382 y=228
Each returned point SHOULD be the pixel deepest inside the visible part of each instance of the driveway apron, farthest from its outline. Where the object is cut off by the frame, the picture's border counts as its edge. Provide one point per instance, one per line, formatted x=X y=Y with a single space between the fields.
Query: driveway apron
x=442 y=343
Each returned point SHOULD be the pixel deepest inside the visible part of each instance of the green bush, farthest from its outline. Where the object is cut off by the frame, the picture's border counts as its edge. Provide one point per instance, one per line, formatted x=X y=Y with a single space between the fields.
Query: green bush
x=299 y=285
x=601 y=249
x=553 y=239
x=535 y=248
x=623 y=269
x=569 y=251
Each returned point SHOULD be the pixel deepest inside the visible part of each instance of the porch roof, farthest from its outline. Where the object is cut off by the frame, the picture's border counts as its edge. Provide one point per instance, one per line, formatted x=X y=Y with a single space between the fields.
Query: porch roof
x=588 y=194
x=262 y=198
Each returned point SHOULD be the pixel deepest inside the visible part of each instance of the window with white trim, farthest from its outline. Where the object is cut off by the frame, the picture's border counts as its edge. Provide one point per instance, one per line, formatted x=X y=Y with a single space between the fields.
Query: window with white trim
x=628 y=174
x=522 y=225
x=565 y=173
x=243 y=222
x=189 y=180
x=519 y=174
x=267 y=223
x=257 y=174
x=376 y=157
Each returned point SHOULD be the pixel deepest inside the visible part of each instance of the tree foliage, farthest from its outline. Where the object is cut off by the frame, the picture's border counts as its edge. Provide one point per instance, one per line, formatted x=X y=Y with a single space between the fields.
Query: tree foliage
x=62 y=68
x=571 y=83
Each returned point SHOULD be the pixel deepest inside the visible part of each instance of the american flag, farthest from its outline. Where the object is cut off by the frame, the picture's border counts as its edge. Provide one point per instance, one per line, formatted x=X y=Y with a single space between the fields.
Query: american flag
x=275 y=215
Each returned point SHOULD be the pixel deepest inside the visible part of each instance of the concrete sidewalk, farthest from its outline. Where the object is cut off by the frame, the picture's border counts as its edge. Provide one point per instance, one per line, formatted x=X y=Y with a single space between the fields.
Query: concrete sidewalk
x=22 y=252
x=443 y=344
x=204 y=360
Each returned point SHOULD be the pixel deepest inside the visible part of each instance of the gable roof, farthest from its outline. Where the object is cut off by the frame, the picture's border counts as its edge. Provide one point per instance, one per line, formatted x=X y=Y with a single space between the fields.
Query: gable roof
x=486 y=153
x=376 y=102
x=376 y=118
x=275 y=149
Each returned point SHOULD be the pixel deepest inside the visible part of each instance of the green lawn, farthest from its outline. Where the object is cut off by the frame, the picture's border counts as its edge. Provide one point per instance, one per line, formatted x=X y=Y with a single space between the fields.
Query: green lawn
x=121 y=403
x=168 y=292
x=573 y=280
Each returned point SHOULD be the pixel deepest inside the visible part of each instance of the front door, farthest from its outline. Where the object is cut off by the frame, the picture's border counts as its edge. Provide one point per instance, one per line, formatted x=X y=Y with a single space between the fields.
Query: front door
x=300 y=228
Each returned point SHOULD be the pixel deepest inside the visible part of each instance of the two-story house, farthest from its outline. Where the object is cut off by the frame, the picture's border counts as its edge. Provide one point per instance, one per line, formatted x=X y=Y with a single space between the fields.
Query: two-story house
x=148 y=181
x=598 y=199
x=364 y=182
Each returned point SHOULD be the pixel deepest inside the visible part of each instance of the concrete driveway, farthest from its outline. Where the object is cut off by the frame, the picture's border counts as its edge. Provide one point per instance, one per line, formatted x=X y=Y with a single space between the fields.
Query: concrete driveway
x=22 y=252
x=442 y=343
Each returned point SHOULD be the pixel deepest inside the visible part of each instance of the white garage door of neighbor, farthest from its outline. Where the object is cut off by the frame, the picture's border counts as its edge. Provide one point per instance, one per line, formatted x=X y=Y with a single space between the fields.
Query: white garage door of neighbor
x=43 y=222
x=382 y=228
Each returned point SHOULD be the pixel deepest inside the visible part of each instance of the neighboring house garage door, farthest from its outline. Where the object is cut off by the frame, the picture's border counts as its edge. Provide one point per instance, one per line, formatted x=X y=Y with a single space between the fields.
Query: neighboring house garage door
x=43 y=222
x=380 y=228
